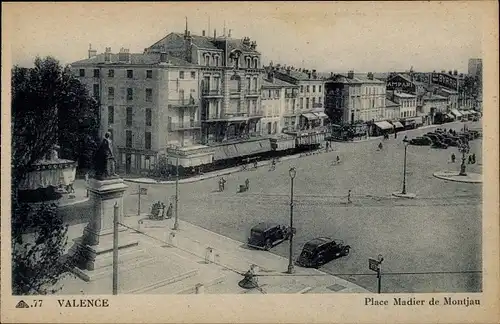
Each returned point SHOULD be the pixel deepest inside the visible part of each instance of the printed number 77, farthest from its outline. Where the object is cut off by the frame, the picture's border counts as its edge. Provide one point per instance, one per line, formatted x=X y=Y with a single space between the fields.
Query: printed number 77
x=38 y=303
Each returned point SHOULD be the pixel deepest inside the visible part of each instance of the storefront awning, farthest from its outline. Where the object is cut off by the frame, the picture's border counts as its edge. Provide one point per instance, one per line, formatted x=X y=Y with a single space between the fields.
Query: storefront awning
x=310 y=116
x=383 y=125
x=465 y=112
x=456 y=113
x=450 y=116
x=321 y=114
x=285 y=144
x=397 y=124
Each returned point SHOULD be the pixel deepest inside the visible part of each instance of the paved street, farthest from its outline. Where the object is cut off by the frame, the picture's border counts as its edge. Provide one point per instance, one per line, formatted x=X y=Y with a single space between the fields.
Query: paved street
x=440 y=230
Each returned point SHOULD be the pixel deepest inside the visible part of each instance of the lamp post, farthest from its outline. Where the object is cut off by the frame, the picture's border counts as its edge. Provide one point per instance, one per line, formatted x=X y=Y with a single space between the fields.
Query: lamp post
x=405 y=142
x=176 y=222
x=464 y=149
x=292 y=172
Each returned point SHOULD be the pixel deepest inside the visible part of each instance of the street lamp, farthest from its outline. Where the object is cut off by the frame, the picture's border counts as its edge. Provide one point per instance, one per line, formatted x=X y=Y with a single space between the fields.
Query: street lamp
x=292 y=172
x=405 y=142
x=464 y=149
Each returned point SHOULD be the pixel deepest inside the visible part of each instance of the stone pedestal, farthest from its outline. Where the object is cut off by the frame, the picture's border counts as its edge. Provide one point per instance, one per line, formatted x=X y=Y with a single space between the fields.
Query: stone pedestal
x=93 y=251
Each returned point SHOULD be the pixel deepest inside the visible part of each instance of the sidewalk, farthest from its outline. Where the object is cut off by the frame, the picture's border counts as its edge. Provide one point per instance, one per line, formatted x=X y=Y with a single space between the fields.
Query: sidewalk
x=233 y=257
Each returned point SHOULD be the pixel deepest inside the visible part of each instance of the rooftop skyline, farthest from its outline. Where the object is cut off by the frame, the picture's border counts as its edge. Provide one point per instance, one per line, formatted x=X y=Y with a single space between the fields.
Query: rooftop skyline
x=364 y=37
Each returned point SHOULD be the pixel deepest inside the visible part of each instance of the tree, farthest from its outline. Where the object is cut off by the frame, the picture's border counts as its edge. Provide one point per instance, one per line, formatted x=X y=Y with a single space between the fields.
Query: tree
x=48 y=106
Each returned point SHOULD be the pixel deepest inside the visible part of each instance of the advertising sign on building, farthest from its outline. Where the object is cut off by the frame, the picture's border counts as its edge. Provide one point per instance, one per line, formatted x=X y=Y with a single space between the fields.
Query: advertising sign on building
x=445 y=80
x=397 y=82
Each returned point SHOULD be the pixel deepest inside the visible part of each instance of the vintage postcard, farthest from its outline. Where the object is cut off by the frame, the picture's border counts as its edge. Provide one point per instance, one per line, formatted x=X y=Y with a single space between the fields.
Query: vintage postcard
x=253 y=162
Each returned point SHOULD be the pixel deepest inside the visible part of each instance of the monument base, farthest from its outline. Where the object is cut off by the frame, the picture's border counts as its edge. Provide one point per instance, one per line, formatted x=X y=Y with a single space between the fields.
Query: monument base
x=92 y=261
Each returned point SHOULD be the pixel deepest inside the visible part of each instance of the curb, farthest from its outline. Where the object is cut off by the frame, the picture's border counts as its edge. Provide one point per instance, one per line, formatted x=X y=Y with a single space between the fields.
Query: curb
x=453 y=176
x=165 y=282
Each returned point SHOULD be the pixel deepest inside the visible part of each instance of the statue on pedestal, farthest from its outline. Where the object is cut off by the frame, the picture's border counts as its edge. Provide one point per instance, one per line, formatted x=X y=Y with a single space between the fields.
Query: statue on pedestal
x=104 y=160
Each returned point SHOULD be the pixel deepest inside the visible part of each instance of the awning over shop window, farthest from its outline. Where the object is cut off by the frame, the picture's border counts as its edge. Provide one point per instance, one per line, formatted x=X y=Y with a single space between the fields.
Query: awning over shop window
x=450 y=116
x=310 y=116
x=465 y=112
x=456 y=113
x=321 y=114
x=397 y=124
x=253 y=147
x=285 y=144
x=383 y=125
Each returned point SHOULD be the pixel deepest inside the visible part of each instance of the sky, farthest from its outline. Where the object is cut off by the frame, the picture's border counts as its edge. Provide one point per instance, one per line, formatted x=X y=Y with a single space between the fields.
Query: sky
x=359 y=36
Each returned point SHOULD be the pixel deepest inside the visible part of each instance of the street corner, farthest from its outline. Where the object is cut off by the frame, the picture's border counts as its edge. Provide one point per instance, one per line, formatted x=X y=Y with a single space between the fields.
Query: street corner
x=469 y=177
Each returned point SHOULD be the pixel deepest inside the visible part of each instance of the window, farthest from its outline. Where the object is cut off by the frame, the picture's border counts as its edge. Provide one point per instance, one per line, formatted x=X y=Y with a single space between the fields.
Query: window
x=181 y=74
x=307 y=89
x=148 y=117
x=255 y=84
x=111 y=73
x=301 y=89
x=301 y=103
x=82 y=72
x=147 y=140
x=216 y=59
x=130 y=74
x=314 y=88
x=319 y=99
x=249 y=84
x=313 y=101
x=248 y=62
x=96 y=73
x=129 y=116
x=128 y=138
x=96 y=90
x=307 y=103
x=193 y=75
x=111 y=93
x=149 y=94
x=149 y=74
x=319 y=88
x=256 y=63
x=130 y=94
x=111 y=115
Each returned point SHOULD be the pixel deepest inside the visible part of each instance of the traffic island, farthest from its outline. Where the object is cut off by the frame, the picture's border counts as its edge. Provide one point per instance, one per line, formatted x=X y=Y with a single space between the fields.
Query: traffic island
x=470 y=177
x=407 y=195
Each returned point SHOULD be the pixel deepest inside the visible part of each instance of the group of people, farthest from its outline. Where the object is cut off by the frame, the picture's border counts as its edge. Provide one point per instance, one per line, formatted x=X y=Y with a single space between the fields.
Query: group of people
x=471 y=158
x=222 y=184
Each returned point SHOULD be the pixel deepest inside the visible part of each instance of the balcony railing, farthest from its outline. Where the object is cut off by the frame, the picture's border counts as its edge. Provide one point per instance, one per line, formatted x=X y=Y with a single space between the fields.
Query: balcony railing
x=211 y=92
x=291 y=95
x=182 y=103
x=317 y=105
x=252 y=93
x=193 y=124
x=228 y=115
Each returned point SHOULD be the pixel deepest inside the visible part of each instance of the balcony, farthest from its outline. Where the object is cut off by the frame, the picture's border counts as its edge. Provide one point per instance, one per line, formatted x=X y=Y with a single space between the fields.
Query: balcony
x=212 y=93
x=241 y=116
x=193 y=124
x=317 y=105
x=252 y=93
x=183 y=103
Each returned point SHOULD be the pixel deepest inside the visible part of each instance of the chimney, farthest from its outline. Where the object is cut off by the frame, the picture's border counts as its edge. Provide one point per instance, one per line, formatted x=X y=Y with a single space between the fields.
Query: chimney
x=370 y=76
x=288 y=69
x=350 y=74
x=270 y=76
x=229 y=35
x=215 y=34
x=314 y=74
x=107 y=55
x=124 y=55
x=203 y=33
x=309 y=74
x=92 y=52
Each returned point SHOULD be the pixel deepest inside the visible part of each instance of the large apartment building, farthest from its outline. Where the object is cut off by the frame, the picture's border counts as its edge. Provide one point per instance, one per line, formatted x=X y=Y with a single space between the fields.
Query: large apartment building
x=229 y=71
x=148 y=102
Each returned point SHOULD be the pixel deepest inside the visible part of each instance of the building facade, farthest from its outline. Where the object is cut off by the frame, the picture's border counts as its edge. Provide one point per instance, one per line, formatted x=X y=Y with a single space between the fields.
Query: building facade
x=433 y=104
x=229 y=82
x=148 y=102
x=407 y=103
x=308 y=104
x=278 y=98
x=475 y=67
x=391 y=110
x=351 y=99
x=452 y=96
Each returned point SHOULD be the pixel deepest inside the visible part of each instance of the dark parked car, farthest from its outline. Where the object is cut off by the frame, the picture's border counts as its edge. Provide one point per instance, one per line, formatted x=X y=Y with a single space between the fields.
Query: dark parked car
x=266 y=235
x=440 y=145
x=320 y=251
x=421 y=141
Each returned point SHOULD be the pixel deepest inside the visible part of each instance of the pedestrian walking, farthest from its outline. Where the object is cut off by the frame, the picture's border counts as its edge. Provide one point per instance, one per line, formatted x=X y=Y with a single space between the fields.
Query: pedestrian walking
x=327 y=145
x=169 y=210
x=247 y=184
x=349 y=197
x=473 y=158
x=470 y=159
x=453 y=157
x=395 y=134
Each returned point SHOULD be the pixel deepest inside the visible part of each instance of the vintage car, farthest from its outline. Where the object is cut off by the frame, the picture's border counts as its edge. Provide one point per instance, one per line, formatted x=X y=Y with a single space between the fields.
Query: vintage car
x=421 y=141
x=439 y=145
x=320 y=251
x=266 y=235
